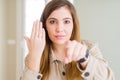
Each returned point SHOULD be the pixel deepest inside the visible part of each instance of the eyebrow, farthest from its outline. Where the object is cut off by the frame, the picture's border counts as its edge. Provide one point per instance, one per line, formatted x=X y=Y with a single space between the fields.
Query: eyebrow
x=67 y=18
x=63 y=18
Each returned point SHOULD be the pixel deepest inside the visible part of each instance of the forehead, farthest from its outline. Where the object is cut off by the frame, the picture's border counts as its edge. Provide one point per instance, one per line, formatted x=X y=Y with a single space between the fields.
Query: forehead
x=61 y=13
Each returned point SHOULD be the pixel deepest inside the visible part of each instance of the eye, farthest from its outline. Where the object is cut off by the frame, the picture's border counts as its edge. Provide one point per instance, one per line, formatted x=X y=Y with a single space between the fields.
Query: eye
x=66 y=21
x=52 y=22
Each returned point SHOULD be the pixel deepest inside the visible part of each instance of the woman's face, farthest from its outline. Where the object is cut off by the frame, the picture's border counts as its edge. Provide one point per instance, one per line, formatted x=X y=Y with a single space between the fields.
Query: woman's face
x=59 y=25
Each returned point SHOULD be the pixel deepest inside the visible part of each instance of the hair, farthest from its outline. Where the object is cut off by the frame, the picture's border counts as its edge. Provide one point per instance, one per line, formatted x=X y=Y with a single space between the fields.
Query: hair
x=72 y=71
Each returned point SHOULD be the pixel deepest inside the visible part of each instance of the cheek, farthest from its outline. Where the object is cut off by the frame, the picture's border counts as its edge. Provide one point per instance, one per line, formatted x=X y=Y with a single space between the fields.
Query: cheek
x=48 y=29
x=69 y=30
x=50 y=32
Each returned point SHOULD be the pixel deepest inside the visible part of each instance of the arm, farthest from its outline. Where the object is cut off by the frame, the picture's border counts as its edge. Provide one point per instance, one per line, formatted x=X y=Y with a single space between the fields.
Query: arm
x=30 y=75
x=96 y=67
x=35 y=44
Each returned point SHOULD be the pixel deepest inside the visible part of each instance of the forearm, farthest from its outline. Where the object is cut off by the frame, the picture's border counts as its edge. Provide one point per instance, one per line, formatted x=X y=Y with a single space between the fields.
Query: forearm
x=83 y=65
x=97 y=69
x=33 y=63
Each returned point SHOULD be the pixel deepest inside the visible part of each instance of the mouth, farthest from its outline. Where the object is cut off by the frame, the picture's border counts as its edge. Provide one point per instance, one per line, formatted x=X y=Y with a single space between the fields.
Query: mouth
x=60 y=36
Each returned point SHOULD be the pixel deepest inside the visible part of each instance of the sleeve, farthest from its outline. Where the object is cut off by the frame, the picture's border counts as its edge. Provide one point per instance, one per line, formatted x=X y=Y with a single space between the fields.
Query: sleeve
x=97 y=67
x=28 y=74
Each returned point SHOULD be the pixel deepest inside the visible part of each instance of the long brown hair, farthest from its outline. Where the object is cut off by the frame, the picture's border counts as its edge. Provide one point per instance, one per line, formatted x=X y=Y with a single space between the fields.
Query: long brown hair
x=71 y=71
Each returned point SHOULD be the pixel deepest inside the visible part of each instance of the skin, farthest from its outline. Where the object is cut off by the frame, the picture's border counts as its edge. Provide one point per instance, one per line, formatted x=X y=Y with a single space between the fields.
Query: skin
x=36 y=45
x=59 y=28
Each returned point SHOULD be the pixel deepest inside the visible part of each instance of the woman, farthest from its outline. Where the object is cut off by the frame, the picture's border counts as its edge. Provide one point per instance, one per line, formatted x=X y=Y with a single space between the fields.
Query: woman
x=56 y=51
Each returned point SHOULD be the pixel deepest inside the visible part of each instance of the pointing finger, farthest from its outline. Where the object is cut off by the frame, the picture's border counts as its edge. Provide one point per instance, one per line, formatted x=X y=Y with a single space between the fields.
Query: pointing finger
x=70 y=50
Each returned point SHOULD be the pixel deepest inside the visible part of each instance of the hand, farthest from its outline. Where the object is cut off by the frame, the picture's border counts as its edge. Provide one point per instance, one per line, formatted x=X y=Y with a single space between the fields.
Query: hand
x=35 y=44
x=75 y=51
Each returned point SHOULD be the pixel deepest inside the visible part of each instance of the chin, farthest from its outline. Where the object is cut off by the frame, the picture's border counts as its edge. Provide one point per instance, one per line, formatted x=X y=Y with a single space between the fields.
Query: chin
x=61 y=42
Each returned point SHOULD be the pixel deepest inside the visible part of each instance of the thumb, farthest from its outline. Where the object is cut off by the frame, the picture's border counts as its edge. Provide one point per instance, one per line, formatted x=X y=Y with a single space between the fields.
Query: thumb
x=66 y=60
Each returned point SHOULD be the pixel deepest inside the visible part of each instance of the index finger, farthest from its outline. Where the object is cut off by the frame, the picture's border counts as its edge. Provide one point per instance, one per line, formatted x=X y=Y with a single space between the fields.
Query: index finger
x=33 y=30
x=70 y=50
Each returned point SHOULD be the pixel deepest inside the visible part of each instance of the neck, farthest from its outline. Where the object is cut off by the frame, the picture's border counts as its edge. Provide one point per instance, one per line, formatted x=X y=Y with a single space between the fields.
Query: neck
x=59 y=51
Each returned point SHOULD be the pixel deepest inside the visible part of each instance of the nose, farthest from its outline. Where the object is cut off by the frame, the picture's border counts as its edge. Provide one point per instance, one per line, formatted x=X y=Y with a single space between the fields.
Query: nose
x=60 y=27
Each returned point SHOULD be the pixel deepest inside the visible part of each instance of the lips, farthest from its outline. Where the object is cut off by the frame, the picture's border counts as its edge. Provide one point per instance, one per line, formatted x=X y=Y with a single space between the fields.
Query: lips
x=60 y=36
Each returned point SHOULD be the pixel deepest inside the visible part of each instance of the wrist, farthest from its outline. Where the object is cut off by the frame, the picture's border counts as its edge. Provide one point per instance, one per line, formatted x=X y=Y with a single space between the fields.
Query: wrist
x=33 y=63
x=84 y=61
x=84 y=64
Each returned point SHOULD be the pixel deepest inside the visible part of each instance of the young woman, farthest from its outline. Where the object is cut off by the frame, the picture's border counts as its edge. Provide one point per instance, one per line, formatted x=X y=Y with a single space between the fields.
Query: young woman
x=56 y=51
